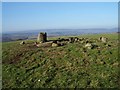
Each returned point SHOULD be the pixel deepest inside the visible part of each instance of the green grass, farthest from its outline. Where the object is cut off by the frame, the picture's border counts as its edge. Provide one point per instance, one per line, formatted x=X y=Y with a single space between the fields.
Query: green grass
x=65 y=66
x=95 y=36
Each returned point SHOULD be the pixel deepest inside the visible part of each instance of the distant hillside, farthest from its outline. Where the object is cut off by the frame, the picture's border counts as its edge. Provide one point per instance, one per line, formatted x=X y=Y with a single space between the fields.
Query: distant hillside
x=23 y=35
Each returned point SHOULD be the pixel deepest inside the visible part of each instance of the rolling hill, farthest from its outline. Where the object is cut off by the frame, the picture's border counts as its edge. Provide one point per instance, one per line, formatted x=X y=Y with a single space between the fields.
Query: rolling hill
x=69 y=66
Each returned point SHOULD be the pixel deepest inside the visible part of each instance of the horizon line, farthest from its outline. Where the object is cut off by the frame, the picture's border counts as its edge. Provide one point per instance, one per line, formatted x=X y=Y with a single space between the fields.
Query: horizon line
x=59 y=29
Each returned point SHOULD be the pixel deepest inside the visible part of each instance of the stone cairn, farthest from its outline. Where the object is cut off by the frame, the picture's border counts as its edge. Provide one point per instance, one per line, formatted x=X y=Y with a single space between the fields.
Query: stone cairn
x=42 y=41
x=42 y=37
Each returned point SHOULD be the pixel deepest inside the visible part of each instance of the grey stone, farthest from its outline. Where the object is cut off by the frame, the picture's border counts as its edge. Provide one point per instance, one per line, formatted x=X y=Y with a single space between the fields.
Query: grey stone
x=62 y=44
x=70 y=39
x=46 y=44
x=22 y=42
x=42 y=37
x=89 y=46
x=76 y=39
x=108 y=45
x=103 y=39
x=99 y=38
x=54 y=44
x=35 y=43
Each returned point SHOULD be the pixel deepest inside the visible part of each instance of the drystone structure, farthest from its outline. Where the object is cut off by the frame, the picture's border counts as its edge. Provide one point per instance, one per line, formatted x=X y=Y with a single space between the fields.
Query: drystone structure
x=42 y=37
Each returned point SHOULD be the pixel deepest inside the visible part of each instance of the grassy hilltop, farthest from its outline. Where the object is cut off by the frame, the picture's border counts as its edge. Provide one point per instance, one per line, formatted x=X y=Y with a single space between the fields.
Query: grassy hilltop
x=71 y=65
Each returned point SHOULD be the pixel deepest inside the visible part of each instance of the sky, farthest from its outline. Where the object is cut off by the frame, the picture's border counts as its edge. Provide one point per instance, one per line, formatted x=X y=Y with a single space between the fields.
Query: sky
x=60 y=0
x=0 y=18
x=20 y=16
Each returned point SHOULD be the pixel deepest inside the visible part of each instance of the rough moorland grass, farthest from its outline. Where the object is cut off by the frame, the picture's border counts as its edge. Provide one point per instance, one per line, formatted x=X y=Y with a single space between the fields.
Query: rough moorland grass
x=69 y=66
x=108 y=35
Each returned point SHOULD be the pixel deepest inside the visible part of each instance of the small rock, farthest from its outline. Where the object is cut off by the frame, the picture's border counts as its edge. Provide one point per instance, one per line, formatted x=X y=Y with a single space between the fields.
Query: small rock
x=45 y=44
x=115 y=64
x=55 y=41
x=39 y=80
x=76 y=39
x=41 y=42
x=80 y=39
x=21 y=43
x=82 y=42
x=108 y=45
x=87 y=41
x=102 y=62
x=35 y=43
x=99 y=38
x=103 y=39
x=89 y=46
x=54 y=44
x=62 y=44
x=70 y=39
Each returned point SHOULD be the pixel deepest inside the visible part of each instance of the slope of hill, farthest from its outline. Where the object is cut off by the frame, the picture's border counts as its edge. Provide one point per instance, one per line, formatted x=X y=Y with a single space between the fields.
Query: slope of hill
x=71 y=65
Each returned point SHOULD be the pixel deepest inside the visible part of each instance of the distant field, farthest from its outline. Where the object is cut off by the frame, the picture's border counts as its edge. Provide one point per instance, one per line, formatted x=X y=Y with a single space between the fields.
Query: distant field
x=95 y=36
x=68 y=66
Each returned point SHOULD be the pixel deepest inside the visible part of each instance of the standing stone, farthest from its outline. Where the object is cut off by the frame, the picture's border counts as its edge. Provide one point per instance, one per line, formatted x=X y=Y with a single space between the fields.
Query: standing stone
x=42 y=37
